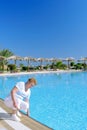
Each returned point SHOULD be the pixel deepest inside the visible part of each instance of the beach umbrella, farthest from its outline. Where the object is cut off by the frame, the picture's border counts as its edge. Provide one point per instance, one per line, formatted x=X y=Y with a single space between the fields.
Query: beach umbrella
x=47 y=60
x=54 y=60
x=33 y=59
x=15 y=58
x=84 y=59
x=28 y=59
x=69 y=59
x=41 y=60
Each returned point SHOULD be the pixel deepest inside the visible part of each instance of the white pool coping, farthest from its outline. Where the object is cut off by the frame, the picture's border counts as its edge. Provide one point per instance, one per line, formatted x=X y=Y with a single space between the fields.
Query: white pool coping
x=38 y=72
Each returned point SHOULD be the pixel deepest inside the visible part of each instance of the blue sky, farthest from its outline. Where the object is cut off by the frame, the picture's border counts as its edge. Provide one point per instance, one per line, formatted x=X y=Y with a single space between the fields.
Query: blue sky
x=44 y=28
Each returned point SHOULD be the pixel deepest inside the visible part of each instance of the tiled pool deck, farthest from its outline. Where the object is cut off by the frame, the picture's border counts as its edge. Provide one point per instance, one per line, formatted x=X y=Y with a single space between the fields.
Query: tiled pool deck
x=26 y=123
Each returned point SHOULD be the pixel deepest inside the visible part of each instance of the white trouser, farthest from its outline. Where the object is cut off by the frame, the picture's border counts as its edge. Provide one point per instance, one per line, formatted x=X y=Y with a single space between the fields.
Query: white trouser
x=22 y=105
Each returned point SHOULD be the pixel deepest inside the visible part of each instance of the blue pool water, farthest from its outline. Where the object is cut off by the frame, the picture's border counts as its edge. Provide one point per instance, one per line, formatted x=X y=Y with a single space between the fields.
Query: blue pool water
x=58 y=101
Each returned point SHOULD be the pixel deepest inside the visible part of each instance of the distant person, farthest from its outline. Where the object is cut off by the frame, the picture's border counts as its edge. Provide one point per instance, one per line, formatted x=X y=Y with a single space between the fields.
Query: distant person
x=18 y=98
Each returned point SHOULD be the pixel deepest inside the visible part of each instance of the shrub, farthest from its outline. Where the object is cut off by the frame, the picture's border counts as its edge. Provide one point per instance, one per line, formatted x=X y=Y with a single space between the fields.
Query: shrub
x=12 y=67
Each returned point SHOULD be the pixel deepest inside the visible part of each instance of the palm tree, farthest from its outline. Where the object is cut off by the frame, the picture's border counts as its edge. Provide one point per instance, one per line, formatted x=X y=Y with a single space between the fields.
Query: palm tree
x=5 y=53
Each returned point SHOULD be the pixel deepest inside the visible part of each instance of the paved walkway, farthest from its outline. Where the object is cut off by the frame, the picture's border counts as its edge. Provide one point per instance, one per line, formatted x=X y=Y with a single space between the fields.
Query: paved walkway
x=26 y=123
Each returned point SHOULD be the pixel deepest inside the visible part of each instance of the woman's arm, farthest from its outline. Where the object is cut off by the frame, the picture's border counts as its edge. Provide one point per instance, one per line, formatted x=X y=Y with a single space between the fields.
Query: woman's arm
x=28 y=111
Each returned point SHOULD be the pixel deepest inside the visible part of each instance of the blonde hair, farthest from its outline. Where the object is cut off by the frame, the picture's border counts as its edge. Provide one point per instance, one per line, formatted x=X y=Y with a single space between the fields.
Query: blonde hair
x=33 y=80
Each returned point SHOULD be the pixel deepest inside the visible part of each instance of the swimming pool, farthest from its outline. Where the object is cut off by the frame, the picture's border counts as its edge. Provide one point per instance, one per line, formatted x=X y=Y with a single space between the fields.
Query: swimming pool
x=58 y=101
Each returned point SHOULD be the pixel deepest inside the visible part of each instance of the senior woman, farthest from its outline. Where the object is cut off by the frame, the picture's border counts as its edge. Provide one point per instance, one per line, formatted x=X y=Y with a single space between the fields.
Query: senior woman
x=18 y=98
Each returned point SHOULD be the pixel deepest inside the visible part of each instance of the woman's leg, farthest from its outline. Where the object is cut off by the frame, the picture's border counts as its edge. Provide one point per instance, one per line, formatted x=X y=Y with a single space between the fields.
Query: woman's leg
x=9 y=103
x=24 y=106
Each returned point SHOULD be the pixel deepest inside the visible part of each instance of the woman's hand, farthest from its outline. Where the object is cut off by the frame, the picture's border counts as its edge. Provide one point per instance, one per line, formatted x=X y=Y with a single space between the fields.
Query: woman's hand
x=15 y=105
x=28 y=112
